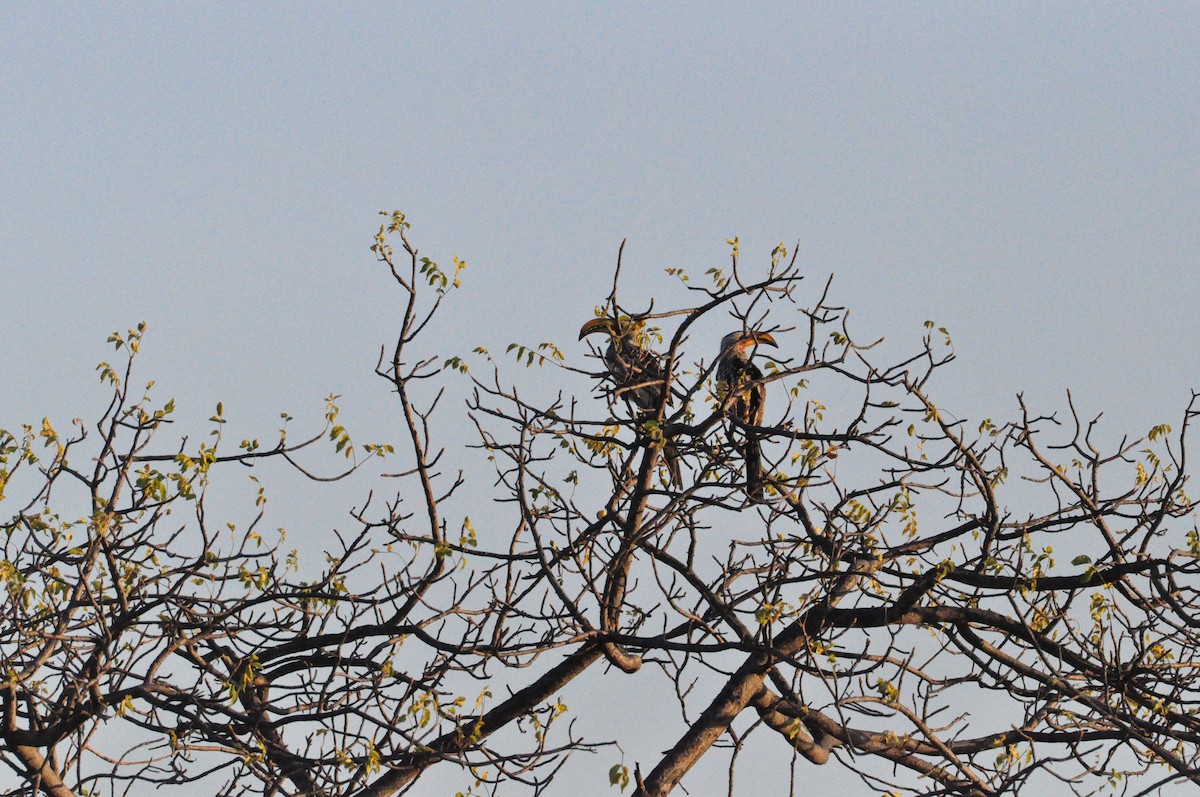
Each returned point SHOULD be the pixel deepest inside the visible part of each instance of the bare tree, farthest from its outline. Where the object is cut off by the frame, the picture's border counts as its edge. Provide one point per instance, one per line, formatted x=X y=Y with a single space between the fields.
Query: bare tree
x=806 y=549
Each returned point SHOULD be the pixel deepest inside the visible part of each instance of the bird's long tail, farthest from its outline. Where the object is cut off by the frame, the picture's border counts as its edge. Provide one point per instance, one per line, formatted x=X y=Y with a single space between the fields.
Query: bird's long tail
x=752 y=454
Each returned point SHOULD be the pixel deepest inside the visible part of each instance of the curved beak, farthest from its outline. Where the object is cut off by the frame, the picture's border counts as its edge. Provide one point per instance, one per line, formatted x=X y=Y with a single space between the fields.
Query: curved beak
x=763 y=338
x=596 y=325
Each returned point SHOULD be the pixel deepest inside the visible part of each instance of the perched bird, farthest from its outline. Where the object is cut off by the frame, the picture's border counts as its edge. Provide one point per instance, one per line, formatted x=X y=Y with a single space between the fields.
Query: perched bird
x=636 y=372
x=747 y=397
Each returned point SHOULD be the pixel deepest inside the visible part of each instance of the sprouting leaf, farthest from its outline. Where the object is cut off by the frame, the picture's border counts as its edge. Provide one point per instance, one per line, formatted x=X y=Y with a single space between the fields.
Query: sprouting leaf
x=618 y=775
x=778 y=253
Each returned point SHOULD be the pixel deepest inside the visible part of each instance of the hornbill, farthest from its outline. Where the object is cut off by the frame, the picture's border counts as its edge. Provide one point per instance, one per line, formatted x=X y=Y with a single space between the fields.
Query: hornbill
x=636 y=372
x=746 y=397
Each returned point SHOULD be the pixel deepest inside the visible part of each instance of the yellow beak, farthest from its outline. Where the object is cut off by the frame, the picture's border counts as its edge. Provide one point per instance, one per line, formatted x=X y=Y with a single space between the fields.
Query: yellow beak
x=596 y=325
x=763 y=337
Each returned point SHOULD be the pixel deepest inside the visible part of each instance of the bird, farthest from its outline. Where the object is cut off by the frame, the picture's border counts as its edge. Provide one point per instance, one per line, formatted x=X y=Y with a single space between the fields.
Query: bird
x=635 y=371
x=746 y=396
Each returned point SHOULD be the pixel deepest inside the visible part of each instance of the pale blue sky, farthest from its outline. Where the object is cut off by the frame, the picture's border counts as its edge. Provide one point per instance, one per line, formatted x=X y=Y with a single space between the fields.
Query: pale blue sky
x=1028 y=175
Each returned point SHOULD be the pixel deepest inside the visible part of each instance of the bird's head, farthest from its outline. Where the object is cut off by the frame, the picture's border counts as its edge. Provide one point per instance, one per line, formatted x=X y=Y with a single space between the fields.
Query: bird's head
x=623 y=327
x=740 y=343
x=603 y=324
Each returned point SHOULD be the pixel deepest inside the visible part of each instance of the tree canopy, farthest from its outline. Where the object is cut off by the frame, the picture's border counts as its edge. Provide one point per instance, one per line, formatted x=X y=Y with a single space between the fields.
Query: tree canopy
x=813 y=556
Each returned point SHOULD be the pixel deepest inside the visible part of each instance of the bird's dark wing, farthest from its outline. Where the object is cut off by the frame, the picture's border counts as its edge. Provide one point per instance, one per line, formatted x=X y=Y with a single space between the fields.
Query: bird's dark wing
x=637 y=374
x=749 y=398
x=748 y=407
x=756 y=396
x=755 y=409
